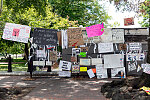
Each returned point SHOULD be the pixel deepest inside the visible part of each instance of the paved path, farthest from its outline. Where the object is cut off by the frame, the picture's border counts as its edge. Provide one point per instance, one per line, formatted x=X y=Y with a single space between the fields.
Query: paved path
x=56 y=88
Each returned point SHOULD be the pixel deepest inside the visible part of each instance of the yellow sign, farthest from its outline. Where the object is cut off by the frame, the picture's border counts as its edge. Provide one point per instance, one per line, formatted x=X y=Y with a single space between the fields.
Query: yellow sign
x=83 y=69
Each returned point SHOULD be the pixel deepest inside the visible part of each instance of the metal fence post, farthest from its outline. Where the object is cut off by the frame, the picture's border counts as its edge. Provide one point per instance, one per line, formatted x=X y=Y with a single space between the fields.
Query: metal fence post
x=9 y=64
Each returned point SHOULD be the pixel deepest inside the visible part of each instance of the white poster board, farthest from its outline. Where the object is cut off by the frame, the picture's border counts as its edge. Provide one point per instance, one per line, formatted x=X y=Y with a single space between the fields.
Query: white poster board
x=90 y=73
x=96 y=61
x=135 y=57
x=38 y=63
x=76 y=51
x=85 y=62
x=64 y=65
x=113 y=60
x=64 y=73
x=106 y=36
x=105 y=47
x=41 y=53
x=135 y=46
x=118 y=35
x=116 y=72
x=16 y=32
x=101 y=72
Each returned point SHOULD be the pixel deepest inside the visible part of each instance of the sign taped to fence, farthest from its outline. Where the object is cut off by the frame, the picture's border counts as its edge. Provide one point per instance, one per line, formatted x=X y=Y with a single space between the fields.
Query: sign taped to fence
x=64 y=65
x=118 y=73
x=43 y=36
x=16 y=32
x=53 y=56
x=76 y=51
x=96 y=61
x=101 y=72
x=86 y=62
x=75 y=37
x=95 y=30
x=106 y=36
x=135 y=46
x=128 y=21
x=105 y=47
x=75 y=68
x=83 y=69
x=113 y=60
x=64 y=73
x=39 y=63
x=90 y=73
x=118 y=35
x=41 y=53
x=135 y=57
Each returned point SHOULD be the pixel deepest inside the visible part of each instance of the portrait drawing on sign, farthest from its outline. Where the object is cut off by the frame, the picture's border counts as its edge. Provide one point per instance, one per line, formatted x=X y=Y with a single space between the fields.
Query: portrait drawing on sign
x=15 y=32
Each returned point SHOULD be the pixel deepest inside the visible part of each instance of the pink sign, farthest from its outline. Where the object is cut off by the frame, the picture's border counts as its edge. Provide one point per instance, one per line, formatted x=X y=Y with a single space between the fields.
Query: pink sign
x=95 y=30
x=15 y=32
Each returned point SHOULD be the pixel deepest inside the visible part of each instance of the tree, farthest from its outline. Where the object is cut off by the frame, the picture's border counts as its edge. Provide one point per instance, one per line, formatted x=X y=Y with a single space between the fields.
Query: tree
x=86 y=12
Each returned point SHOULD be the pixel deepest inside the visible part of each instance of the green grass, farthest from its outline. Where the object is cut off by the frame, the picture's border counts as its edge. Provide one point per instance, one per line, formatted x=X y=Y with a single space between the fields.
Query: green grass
x=15 y=67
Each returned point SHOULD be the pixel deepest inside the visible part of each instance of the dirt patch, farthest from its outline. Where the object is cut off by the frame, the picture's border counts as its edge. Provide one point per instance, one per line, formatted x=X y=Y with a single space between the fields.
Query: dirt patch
x=14 y=93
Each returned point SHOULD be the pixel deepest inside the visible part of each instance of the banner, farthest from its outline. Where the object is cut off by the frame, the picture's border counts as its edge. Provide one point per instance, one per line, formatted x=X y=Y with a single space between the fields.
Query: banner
x=43 y=36
x=75 y=37
x=16 y=32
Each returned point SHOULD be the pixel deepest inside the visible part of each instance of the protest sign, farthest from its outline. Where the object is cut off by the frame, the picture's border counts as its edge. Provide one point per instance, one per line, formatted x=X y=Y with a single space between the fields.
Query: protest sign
x=113 y=61
x=101 y=72
x=90 y=73
x=43 y=36
x=96 y=61
x=64 y=65
x=64 y=73
x=83 y=69
x=75 y=37
x=118 y=35
x=85 y=62
x=16 y=32
x=128 y=21
x=75 y=68
x=118 y=73
x=95 y=30
x=105 y=47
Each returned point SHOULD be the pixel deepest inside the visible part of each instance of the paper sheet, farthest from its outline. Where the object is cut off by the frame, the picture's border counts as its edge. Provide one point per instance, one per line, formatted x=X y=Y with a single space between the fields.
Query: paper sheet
x=85 y=62
x=96 y=61
x=113 y=60
x=64 y=65
x=116 y=72
x=64 y=73
x=105 y=47
x=101 y=72
x=90 y=73
x=118 y=35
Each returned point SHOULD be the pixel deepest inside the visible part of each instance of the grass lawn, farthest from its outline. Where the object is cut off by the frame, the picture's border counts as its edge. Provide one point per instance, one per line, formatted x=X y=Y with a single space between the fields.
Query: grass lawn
x=18 y=66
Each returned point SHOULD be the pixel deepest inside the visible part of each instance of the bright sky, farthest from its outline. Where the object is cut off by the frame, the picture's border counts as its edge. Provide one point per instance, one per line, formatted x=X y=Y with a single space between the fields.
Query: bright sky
x=118 y=16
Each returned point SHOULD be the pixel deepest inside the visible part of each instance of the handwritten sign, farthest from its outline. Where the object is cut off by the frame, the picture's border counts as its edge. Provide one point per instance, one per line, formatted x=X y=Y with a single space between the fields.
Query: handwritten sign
x=75 y=37
x=106 y=36
x=128 y=21
x=45 y=36
x=41 y=53
x=90 y=73
x=53 y=56
x=76 y=51
x=101 y=72
x=135 y=46
x=96 y=61
x=85 y=62
x=118 y=35
x=64 y=65
x=16 y=32
x=95 y=30
x=113 y=61
x=39 y=63
x=82 y=54
x=105 y=47
x=75 y=68
x=118 y=73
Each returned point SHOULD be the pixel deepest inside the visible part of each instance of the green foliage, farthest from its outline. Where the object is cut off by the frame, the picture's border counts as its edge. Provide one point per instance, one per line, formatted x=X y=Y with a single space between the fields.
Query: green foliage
x=86 y=12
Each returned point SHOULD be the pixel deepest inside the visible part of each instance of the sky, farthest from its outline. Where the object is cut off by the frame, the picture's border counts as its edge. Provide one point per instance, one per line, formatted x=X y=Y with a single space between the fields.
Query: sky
x=118 y=16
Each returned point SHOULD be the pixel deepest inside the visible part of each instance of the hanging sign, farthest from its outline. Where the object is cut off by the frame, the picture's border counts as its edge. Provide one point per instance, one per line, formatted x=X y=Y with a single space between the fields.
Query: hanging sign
x=75 y=68
x=105 y=47
x=75 y=37
x=95 y=30
x=118 y=35
x=128 y=21
x=43 y=36
x=90 y=73
x=64 y=73
x=64 y=65
x=101 y=72
x=135 y=46
x=96 y=61
x=85 y=62
x=16 y=32
x=83 y=69
x=118 y=73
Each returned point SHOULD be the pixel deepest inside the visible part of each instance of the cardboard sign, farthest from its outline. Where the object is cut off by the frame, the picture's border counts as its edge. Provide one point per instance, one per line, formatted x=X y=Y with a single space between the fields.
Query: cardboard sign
x=55 y=66
x=75 y=37
x=128 y=21
x=101 y=72
x=105 y=47
x=64 y=73
x=43 y=36
x=135 y=46
x=118 y=35
x=95 y=30
x=16 y=32
x=53 y=56
x=122 y=47
x=85 y=62
x=113 y=61
x=64 y=65
x=73 y=59
x=90 y=73
x=118 y=73
x=59 y=38
x=96 y=61
x=83 y=69
x=75 y=68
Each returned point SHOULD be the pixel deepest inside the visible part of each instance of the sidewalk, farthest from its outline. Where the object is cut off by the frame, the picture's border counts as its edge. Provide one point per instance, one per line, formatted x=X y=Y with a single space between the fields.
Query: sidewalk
x=56 y=88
